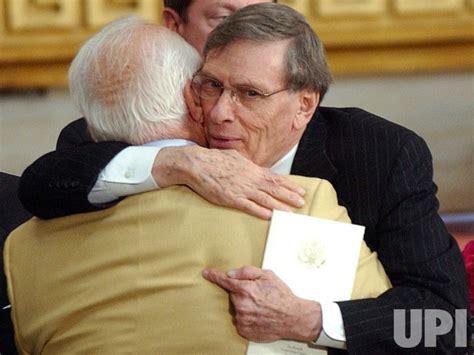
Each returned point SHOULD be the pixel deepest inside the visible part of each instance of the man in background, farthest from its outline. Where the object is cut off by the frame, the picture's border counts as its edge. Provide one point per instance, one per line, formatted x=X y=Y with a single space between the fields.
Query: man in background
x=129 y=280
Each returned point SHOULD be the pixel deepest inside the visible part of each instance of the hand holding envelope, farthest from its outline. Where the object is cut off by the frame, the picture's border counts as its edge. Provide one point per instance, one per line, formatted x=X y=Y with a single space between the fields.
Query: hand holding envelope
x=265 y=307
x=315 y=260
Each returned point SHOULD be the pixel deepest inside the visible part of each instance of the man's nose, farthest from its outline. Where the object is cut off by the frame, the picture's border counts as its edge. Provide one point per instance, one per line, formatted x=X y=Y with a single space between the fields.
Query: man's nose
x=224 y=108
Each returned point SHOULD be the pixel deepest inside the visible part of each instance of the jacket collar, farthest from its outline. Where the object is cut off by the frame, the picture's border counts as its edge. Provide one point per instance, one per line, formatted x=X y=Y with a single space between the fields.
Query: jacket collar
x=311 y=157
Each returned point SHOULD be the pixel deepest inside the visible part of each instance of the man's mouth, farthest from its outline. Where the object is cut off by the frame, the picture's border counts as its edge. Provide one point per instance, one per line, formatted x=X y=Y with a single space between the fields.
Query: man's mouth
x=222 y=142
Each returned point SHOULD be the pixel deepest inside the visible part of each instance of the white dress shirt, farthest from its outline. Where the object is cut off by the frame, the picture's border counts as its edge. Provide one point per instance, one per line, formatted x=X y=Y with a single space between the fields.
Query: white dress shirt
x=130 y=172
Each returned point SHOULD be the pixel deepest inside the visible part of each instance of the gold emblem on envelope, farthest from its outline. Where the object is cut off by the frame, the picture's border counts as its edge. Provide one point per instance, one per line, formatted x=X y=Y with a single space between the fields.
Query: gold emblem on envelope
x=312 y=254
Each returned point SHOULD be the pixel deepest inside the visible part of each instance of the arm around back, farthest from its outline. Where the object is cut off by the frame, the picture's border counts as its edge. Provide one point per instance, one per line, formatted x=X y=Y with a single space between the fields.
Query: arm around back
x=58 y=183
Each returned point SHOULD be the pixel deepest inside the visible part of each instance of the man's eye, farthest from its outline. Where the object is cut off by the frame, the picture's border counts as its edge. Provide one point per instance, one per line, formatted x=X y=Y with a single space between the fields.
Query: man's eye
x=249 y=93
x=217 y=19
x=211 y=84
x=221 y=15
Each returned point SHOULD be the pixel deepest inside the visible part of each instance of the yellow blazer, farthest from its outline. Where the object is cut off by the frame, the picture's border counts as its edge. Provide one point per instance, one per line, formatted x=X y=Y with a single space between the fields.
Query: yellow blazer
x=128 y=279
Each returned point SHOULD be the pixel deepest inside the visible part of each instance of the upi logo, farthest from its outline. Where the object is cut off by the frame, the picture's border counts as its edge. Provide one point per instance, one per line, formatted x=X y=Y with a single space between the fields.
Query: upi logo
x=435 y=322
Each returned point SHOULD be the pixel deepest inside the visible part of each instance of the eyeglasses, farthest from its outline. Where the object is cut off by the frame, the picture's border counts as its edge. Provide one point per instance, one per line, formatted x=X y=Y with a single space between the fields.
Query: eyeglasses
x=209 y=88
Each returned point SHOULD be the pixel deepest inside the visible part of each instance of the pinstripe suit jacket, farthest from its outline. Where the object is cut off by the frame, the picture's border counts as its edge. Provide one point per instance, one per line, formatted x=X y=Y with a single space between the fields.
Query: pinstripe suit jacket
x=382 y=173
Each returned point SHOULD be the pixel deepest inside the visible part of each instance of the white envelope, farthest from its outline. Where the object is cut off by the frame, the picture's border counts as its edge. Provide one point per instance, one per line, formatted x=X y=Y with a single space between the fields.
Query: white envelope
x=317 y=259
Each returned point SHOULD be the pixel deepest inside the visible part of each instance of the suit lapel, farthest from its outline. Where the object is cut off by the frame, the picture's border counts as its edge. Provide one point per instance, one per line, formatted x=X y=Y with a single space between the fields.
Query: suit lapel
x=311 y=158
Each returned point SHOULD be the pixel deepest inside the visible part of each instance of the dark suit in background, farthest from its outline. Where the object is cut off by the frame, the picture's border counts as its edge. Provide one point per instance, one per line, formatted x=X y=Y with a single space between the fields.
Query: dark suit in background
x=383 y=175
x=12 y=214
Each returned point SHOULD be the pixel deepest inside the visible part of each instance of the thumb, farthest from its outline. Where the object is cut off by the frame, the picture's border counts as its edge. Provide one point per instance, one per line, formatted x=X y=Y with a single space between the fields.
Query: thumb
x=246 y=273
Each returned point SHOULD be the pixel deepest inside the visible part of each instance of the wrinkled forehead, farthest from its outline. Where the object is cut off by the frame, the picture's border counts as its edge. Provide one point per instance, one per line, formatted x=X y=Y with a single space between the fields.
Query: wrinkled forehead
x=245 y=61
x=247 y=50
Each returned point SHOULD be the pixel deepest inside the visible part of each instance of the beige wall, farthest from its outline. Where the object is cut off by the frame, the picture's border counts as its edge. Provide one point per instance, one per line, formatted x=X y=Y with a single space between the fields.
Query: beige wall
x=29 y=126
x=438 y=107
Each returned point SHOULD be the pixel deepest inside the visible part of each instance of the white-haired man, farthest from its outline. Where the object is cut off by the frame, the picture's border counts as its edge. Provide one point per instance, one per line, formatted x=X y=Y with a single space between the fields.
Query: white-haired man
x=128 y=279
x=193 y=20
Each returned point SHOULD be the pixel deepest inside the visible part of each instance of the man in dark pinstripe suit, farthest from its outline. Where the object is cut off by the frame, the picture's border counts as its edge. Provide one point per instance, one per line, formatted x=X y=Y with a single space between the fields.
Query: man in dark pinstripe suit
x=381 y=171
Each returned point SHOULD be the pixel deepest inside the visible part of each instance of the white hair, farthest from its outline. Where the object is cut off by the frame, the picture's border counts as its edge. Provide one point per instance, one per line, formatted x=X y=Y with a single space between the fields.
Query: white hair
x=128 y=80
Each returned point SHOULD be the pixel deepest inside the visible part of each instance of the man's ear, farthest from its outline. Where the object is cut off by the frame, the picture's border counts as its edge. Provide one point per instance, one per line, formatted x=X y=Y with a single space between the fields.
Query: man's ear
x=171 y=19
x=193 y=103
x=308 y=102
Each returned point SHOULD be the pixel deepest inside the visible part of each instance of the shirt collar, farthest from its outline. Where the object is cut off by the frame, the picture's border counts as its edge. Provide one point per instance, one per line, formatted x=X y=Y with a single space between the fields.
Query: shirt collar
x=283 y=166
x=162 y=143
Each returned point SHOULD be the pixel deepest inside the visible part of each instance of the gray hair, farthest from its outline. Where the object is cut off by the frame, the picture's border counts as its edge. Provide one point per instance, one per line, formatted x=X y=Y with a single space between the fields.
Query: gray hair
x=128 y=80
x=267 y=22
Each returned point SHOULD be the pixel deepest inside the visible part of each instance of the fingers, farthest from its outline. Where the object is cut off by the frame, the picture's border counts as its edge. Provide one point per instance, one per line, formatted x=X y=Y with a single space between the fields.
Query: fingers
x=261 y=203
x=285 y=182
x=266 y=200
x=252 y=208
x=283 y=193
x=230 y=280
x=228 y=179
x=246 y=273
x=221 y=279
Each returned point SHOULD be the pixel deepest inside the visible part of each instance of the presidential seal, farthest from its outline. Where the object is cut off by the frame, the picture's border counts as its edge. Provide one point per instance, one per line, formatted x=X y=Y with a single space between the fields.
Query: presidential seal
x=312 y=254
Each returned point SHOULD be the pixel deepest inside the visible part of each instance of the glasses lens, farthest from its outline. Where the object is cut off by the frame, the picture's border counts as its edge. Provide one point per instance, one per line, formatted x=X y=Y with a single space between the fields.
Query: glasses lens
x=248 y=95
x=210 y=88
x=206 y=87
x=196 y=84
